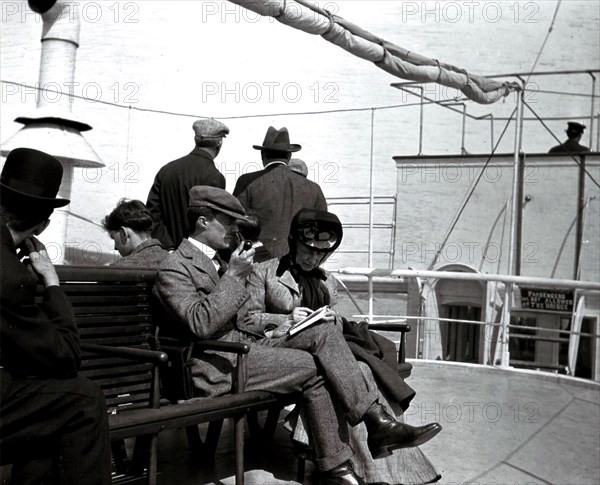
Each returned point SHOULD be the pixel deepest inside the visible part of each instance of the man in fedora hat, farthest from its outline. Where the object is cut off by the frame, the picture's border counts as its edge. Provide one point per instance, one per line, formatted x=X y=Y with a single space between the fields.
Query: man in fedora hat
x=53 y=424
x=276 y=193
x=197 y=303
x=168 y=197
x=574 y=133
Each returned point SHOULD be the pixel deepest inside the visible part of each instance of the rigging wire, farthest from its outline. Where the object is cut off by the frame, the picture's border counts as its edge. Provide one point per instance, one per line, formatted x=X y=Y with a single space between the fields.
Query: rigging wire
x=191 y=115
x=544 y=43
x=469 y=194
x=265 y=115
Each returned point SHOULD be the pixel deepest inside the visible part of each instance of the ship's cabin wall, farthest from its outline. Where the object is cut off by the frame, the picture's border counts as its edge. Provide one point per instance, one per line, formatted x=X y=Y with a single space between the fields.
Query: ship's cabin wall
x=431 y=189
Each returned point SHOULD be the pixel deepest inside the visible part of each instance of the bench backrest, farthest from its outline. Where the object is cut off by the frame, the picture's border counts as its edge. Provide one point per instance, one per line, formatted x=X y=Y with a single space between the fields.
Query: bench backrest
x=113 y=307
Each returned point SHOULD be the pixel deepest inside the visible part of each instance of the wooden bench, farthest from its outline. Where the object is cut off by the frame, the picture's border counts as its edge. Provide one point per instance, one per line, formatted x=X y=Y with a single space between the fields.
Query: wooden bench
x=113 y=312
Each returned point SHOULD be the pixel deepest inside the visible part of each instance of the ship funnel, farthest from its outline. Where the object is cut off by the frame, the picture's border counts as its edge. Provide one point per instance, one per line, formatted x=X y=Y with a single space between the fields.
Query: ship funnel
x=52 y=127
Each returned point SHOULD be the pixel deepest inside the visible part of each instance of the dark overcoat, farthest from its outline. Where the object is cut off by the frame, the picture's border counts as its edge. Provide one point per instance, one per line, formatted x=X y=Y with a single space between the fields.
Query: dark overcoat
x=168 y=199
x=35 y=340
x=275 y=194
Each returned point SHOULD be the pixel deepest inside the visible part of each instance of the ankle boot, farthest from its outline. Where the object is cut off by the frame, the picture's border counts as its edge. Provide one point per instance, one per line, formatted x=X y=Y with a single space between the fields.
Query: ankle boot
x=386 y=434
x=343 y=474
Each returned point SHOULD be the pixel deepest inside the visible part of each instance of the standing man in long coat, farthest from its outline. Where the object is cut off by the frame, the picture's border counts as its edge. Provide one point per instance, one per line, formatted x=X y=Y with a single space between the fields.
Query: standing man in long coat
x=276 y=193
x=168 y=197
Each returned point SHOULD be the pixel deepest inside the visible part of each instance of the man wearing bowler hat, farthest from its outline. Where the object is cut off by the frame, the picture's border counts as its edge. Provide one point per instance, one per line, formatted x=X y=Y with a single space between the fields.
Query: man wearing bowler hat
x=168 y=197
x=53 y=425
x=276 y=193
x=571 y=145
x=199 y=299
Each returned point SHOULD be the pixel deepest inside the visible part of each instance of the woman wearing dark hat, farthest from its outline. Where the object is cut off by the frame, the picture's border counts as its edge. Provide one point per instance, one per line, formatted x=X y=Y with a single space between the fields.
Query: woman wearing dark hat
x=284 y=291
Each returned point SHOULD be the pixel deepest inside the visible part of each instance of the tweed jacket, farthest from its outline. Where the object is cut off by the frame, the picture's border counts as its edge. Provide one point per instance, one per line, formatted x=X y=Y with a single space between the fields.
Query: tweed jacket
x=273 y=298
x=194 y=303
x=148 y=254
x=35 y=340
x=275 y=194
x=169 y=196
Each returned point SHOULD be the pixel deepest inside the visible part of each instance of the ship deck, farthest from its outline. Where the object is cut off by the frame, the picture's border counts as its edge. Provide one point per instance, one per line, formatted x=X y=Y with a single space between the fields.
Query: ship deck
x=500 y=427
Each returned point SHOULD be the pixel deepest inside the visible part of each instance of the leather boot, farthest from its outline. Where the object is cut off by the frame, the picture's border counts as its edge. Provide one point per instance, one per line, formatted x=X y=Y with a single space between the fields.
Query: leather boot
x=343 y=474
x=386 y=434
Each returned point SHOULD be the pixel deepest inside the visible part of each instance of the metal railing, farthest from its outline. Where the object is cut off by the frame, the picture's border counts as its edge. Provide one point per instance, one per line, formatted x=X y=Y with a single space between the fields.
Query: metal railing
x=593 y=118
x=504 y=327
x=385 y=200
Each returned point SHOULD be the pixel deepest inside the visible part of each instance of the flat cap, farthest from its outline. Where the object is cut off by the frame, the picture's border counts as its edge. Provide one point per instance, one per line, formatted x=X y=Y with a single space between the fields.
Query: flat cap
x=210 y=128
x=217 y=199
x=297 y=165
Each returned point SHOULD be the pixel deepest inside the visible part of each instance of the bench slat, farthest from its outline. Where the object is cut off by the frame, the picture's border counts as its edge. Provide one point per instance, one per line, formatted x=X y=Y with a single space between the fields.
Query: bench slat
x=107 y=309
x=78 y=300
x=129 y=341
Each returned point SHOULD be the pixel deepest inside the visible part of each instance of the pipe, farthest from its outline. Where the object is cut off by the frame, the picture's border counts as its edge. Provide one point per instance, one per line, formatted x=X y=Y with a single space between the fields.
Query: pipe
x=60 y=40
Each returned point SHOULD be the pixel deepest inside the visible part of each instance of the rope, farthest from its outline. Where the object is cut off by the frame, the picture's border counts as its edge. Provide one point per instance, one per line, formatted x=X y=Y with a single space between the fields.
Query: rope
x=544 y=43
x=263 y=115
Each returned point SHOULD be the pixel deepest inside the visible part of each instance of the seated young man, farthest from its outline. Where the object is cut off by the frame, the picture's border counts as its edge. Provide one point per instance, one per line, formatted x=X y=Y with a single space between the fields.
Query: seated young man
x=201 y=300
x=53 y=424
x=129 y=225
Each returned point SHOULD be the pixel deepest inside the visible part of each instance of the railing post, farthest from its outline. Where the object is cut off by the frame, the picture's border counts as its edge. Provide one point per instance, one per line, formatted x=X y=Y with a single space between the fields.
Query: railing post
x=506 y=309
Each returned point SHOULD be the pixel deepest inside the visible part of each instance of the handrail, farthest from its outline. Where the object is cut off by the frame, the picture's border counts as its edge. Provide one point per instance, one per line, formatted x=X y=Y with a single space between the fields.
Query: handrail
x=457 y=275
x=365 y=200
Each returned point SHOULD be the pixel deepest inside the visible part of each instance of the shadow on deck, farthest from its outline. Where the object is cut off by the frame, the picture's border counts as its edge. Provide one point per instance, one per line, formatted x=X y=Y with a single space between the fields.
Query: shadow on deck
x=500 y=427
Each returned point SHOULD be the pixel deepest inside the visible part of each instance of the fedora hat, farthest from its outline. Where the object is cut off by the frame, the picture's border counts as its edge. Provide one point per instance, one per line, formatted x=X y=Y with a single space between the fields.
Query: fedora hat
x=32 y=176
x=277 y=140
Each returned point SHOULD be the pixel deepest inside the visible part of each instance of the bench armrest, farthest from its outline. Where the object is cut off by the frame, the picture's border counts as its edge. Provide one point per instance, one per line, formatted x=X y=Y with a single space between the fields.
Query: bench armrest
x=395 y=327
x=390 y=327
x=151 y=356
x=233 y=347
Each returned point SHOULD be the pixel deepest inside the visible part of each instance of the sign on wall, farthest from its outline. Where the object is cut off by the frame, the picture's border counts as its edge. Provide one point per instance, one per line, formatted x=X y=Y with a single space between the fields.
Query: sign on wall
x=549 y=299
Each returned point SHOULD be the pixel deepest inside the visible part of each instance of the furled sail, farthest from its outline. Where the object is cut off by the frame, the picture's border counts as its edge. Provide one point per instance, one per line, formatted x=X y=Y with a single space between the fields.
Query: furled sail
x=396 y=60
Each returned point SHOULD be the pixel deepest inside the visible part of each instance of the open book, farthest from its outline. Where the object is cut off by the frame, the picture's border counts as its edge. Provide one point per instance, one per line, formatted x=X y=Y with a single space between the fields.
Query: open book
x=307 y=321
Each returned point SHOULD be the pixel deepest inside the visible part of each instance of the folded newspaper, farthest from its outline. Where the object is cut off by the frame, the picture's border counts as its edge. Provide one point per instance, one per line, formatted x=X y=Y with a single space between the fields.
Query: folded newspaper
x=307 y=321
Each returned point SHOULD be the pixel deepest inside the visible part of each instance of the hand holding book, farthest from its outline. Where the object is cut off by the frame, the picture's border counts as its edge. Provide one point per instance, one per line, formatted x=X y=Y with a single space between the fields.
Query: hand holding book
x=305 y=317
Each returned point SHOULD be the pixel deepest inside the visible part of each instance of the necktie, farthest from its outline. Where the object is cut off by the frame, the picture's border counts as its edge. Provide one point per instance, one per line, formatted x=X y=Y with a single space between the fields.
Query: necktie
x=222 y=265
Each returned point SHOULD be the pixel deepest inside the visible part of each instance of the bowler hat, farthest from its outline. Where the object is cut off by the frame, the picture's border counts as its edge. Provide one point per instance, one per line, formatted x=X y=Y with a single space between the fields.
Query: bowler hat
x=575 y=127
x=216 y=199
x=32 y=176
x=277 y=140
x=210 y=128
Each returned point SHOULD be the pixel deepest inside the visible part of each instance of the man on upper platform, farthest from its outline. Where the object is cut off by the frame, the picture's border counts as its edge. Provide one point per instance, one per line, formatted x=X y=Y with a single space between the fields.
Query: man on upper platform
x=571 y=145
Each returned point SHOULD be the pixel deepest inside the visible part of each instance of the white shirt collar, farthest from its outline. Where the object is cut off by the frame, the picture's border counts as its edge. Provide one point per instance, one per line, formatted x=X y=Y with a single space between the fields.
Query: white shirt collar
x=210 y=252
x=276 y=162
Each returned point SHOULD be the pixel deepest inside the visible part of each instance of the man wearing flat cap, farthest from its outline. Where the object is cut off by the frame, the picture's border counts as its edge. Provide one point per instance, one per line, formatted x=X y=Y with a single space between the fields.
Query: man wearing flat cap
x=276 y=193
x=168 y=197
x=196 y=303
x=571 y=145
x=53 y=425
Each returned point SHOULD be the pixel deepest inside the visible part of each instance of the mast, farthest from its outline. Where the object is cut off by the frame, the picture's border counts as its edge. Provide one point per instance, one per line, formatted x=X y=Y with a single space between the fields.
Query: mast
x=514 y=230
